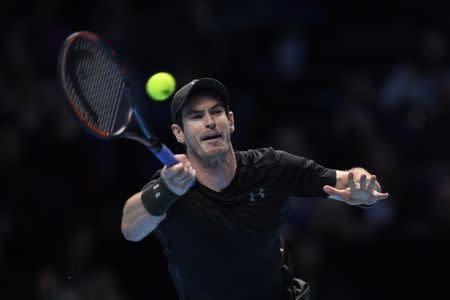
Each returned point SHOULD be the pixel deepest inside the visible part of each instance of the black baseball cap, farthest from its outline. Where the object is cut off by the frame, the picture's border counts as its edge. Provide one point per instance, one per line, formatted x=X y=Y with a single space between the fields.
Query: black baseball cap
x=198 y=85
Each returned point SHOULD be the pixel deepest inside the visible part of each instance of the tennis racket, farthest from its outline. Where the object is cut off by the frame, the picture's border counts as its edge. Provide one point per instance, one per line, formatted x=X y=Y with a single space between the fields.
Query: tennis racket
x=100 y=94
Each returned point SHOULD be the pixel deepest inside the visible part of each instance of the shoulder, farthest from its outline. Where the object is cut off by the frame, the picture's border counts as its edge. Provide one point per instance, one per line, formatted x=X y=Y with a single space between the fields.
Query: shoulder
x=255 y=164
x=286 y=157
x=257 y=157
x=269 y=156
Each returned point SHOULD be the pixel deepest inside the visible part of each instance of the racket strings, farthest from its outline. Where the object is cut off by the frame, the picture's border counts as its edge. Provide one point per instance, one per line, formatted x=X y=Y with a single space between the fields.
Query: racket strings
x=96 y=86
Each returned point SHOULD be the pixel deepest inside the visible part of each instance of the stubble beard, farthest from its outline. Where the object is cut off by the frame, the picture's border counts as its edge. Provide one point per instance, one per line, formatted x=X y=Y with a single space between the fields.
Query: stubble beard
x=211 y=160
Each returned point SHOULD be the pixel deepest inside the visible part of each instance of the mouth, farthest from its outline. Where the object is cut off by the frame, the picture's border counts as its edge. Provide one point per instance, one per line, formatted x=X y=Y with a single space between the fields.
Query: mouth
x=210 y=136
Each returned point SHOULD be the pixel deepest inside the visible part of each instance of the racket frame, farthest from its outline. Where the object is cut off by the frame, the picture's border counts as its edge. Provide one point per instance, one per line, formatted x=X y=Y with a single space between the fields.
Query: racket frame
x=160 y=150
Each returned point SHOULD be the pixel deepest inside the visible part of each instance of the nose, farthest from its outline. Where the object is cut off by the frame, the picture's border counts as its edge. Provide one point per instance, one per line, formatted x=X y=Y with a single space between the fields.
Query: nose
x=210 y=121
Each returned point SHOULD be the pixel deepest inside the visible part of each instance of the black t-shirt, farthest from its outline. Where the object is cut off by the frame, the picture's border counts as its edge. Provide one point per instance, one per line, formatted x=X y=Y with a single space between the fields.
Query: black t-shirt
x=226 y=245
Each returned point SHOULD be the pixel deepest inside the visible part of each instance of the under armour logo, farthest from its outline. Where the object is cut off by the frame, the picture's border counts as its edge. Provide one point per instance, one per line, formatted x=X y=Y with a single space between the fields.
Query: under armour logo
x=260 y=193
x=157 y=194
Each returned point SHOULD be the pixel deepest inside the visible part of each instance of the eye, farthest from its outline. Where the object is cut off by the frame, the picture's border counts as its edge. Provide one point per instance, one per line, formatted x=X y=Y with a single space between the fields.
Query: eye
x=195 y=116
x=217 y=111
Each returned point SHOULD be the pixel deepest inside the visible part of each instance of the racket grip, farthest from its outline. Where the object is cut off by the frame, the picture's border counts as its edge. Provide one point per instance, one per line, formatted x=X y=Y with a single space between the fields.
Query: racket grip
x=165 y=156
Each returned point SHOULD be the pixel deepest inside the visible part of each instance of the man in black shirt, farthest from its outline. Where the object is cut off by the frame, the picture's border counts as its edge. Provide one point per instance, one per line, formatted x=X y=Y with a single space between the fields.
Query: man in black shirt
x=218 y=212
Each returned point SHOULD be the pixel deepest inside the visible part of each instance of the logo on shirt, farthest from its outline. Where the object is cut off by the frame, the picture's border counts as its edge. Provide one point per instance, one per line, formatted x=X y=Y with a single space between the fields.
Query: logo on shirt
x=253 y=196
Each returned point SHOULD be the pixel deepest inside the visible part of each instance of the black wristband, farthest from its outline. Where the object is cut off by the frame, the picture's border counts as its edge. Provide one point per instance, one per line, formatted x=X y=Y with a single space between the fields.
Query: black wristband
x=157 y=197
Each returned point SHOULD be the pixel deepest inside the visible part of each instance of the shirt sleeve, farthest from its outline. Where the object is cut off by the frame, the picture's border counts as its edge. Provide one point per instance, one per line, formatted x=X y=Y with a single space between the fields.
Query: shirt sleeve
x=303 y=176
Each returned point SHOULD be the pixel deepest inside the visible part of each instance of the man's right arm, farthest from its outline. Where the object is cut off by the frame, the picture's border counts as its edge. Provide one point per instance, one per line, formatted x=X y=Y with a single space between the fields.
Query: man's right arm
x=145 y=210
x=137 y=222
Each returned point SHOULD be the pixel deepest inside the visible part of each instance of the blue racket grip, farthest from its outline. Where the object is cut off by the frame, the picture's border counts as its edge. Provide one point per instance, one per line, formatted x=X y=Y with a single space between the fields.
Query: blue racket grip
x=165 y=156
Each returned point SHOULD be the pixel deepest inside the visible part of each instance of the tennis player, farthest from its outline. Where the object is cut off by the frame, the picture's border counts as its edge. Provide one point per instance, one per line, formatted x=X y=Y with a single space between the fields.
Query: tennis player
x=218 y=212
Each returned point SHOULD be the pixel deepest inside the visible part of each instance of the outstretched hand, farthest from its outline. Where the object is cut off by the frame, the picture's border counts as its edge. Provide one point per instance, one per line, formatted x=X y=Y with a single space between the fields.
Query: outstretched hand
x=362 y=192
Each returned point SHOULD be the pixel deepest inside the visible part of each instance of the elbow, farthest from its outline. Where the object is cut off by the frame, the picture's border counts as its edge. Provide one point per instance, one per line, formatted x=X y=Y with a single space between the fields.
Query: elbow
x=129 y=234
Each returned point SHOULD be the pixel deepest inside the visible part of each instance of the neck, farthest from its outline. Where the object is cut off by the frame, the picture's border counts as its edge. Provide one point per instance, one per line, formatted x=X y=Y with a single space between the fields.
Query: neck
x=217 y=173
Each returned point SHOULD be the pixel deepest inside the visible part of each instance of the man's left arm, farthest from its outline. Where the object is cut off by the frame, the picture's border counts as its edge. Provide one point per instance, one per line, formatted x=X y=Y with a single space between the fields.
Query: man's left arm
x=356 y=187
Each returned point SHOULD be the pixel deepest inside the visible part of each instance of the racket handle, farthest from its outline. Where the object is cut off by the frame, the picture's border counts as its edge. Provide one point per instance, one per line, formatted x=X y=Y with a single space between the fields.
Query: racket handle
x=165 y=155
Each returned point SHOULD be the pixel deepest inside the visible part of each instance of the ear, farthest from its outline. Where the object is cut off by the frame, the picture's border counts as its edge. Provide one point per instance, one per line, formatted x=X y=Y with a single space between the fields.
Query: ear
x=178 y=133
x=230 y=117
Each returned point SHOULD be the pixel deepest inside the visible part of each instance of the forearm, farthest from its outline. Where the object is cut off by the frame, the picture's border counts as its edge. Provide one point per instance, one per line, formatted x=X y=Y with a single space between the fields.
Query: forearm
x=137 y=222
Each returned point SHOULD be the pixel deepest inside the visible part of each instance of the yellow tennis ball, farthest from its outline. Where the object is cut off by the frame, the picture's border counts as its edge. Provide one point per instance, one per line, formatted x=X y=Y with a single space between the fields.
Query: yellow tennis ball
x=160 y=86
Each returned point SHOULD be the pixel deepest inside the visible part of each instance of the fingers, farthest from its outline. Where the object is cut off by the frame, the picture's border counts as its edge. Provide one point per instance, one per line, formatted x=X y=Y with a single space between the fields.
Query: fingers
x=179 y=177
x=187 y=176
x=181 y=157
x=381 y=196
x=187 y=182
x=351 y=182
x=193 y=176
x=335 y=192
x=371 y=185
x=177 y=170
x=362 y=182
x=173 y=172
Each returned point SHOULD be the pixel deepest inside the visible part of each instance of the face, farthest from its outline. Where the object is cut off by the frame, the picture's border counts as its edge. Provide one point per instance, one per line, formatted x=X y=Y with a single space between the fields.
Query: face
x=206 y=128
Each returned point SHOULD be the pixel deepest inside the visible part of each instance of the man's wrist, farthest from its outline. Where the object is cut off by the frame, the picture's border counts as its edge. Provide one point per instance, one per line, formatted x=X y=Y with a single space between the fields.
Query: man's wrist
x=157 y=198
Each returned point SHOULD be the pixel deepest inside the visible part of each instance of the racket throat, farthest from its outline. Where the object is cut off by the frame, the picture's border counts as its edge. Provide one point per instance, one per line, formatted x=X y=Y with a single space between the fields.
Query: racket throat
x=153 y=143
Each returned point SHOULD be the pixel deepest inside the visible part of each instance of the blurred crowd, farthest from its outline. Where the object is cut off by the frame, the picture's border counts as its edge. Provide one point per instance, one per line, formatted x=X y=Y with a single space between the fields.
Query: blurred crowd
x=344 y=84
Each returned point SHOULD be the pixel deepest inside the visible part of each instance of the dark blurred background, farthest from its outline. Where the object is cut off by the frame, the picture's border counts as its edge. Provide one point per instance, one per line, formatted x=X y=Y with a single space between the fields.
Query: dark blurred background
x=346 y=83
